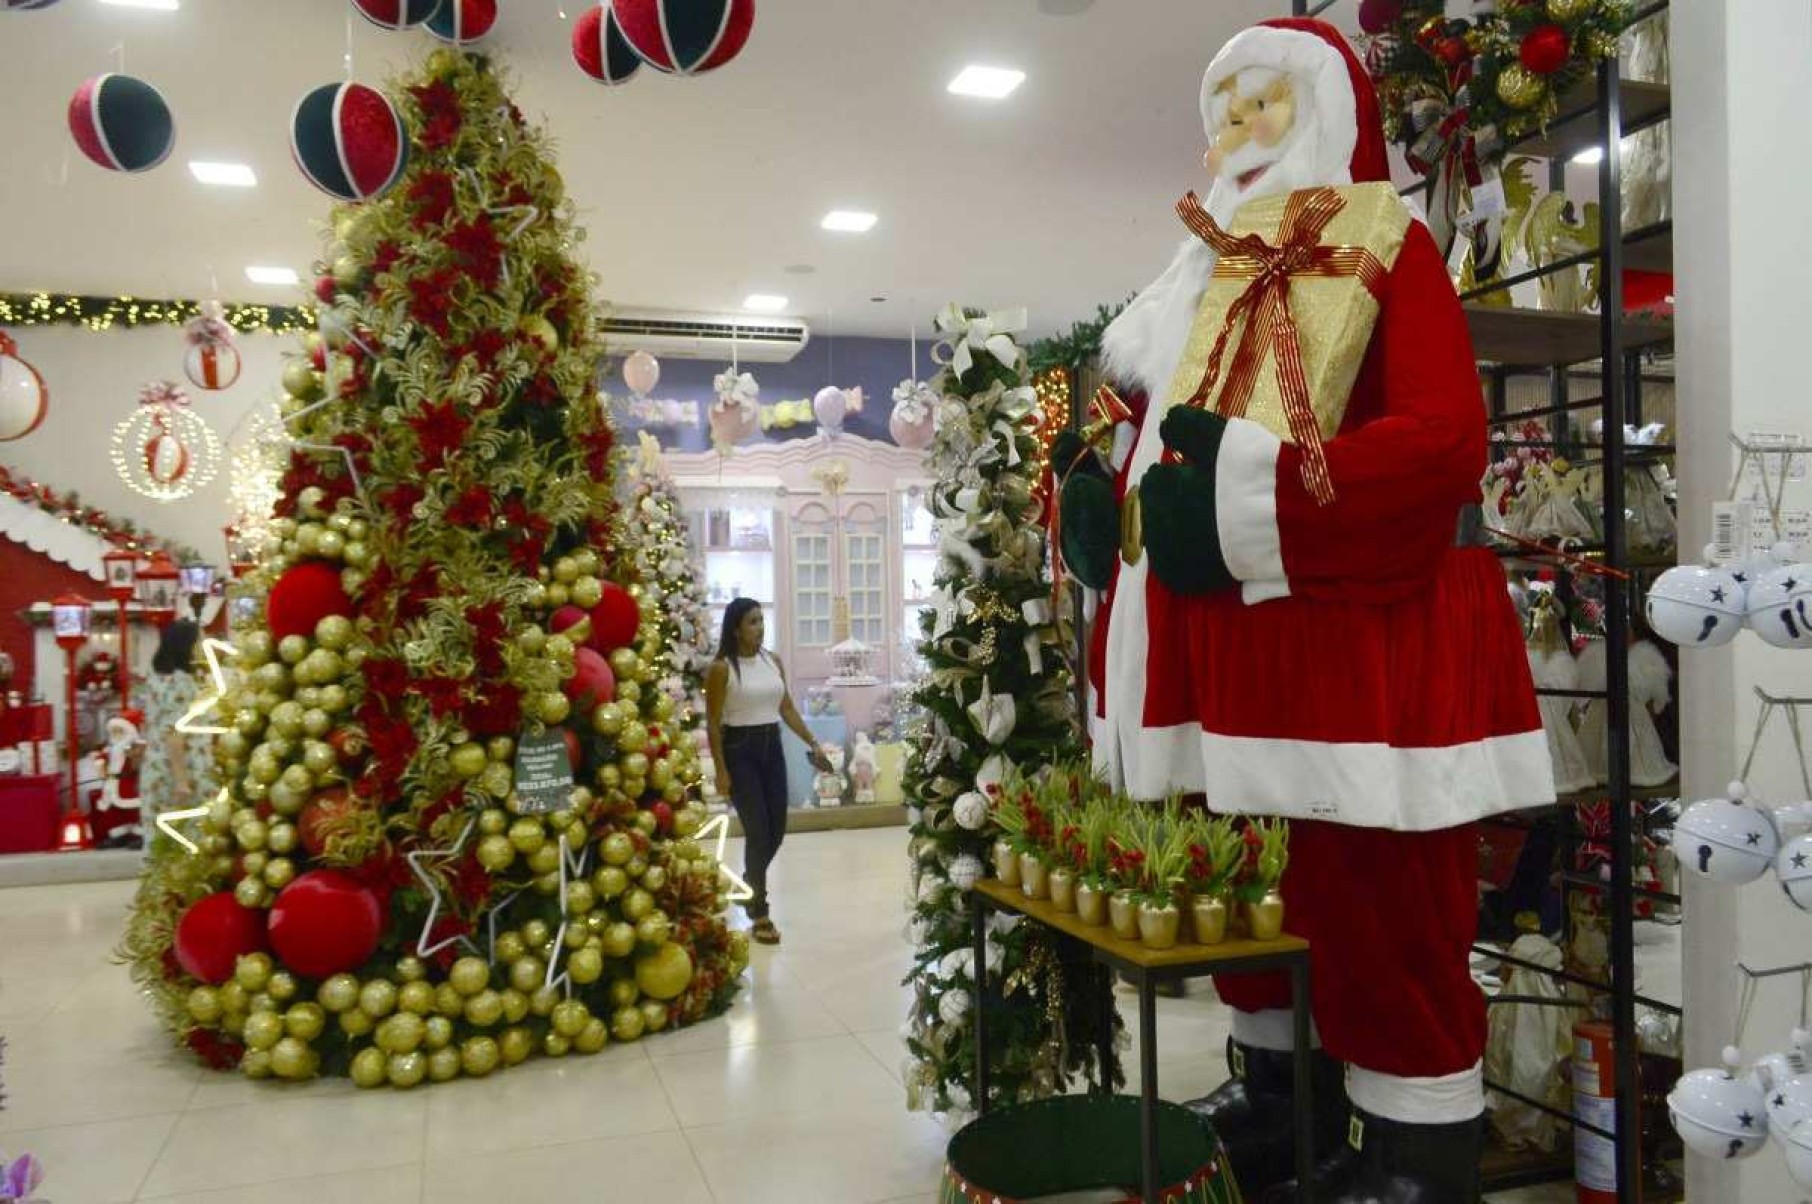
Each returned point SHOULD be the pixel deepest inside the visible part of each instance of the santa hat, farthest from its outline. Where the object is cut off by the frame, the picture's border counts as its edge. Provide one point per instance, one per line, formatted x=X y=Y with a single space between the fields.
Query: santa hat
x=131 y=719
x=1316 y=56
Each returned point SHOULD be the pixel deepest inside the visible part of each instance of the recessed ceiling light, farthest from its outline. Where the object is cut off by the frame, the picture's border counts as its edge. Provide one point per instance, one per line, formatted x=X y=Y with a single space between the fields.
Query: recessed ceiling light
x=990 y=83
x=764 y=303
x=849 y=221
x=226 y=175
x=1590 y=155
x=265 y=275
x=166 y=6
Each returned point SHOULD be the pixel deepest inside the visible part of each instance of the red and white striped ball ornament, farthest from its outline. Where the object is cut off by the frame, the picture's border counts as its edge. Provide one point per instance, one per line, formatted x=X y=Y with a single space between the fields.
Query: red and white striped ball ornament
x=349 y=141
x=212 y=361
x=121 y=123
x=396 y=14
x=686 y=37
x=600 y=48
x=463 y=22
x=24 y=398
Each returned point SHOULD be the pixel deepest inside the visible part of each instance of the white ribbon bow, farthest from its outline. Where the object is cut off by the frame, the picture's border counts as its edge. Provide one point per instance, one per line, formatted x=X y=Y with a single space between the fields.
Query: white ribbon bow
x=913 y=400
x=736 y=389
x=994 y=714
x=966 y=337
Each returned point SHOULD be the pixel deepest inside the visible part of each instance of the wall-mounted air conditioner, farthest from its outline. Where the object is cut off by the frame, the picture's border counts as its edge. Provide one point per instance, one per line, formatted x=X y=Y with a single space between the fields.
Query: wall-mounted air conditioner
x=702 y=336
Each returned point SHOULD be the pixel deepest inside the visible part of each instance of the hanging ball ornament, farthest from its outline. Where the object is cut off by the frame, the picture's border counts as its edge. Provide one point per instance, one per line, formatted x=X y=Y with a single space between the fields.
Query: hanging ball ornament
x=462 y=22
x=686 y=37
x=1545 y=49
x=349 y=141
x=641 y=372
x=954 y=1006
x=163 y=449
x=1696 y=607
x=1725 y=839
x=965 y=871
x=1376 y=16
x=24 y=399
x=1570 y=10
x=830 y=407
x=212 y=361
x=971 y=810
x=303 y=596
x=121 y=123
x=1519 y=87
x=396 y=14
x=1793 y=866
x=600 y=48
x=1779 y=603
x=1717 y=1114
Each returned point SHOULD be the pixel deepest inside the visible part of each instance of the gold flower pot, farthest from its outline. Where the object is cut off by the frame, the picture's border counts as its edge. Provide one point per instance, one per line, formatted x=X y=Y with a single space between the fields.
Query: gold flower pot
x=1209 y=915
x=1063 y=890
x=1266 y=917
x=1006 y=864
x=1123 y=914
x=1091 y=905
x=1034 y=877
x=1159 y=924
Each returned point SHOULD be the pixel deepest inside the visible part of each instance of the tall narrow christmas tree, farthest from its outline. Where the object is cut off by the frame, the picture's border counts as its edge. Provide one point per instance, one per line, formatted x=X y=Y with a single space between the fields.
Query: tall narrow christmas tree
x=996 y=698
x=456 y=830
x=655 y=537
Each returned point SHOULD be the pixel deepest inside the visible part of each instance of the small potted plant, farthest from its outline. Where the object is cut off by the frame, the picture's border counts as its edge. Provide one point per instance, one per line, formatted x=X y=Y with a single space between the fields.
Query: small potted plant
x=1267 y=855
x=1166 y=836
x=1037 y=841
x=1063 y=875
x=1216 y=853
x=1126 y=867
x=1010 y=817
x=1090 y=856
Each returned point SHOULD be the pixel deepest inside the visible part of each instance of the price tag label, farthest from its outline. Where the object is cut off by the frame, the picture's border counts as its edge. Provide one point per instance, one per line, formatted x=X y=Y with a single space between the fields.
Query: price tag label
x=1732 y=528
x=544 y=774
x=1486 y=201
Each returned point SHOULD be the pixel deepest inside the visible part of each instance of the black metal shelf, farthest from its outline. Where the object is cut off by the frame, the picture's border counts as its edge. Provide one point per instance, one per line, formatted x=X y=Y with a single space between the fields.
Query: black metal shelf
x=1573 y=130
x=1507 y=334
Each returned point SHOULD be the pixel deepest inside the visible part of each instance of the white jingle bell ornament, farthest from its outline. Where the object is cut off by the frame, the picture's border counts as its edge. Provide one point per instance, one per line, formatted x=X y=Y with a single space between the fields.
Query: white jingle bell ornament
x=1793 y=866
x=1780 y=606
x=1725 y=840
x=1717 y=1114
x=954 y=1006
x=1799 y=1153
x=1786 y=1085
x=1696 y=607
x=971 y=810
x=965 y=870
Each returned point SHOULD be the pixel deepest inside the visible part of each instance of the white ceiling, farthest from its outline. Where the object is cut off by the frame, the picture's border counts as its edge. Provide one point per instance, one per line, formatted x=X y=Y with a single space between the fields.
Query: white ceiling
x=695 y=192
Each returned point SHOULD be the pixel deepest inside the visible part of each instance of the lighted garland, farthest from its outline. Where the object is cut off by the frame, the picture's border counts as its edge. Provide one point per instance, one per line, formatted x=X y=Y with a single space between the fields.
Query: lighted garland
x=69 y=508
x=108 y=313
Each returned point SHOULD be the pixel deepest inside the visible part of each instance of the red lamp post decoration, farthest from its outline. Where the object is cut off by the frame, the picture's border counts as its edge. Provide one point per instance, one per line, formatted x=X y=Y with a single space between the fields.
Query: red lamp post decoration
x=70 y=616
x=239 y=552
x=157 y=587
x=122 y=586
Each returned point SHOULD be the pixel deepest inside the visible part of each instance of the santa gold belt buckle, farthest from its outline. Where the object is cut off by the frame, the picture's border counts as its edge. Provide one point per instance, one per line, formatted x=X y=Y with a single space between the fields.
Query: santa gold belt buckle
x=1132 y=528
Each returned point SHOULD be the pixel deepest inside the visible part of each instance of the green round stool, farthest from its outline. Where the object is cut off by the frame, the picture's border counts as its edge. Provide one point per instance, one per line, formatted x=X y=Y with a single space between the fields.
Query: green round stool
x=1075 y=1143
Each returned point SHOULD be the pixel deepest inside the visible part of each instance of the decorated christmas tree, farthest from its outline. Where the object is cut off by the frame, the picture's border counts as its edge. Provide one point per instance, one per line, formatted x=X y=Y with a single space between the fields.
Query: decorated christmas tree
x=654 y=535
x=458 y=827
x=996 y=700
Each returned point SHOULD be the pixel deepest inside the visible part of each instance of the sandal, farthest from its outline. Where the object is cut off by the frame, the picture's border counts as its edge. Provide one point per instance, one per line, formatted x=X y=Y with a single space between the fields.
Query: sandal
x=764 y=932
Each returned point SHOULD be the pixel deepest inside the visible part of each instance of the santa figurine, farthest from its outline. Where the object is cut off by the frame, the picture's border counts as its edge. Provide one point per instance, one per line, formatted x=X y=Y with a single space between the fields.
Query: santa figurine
x=116 y=811
x=1296 y=622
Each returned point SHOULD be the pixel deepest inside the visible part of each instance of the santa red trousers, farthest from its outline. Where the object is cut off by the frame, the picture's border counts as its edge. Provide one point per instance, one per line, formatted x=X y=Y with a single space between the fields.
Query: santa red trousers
x=1390 y=918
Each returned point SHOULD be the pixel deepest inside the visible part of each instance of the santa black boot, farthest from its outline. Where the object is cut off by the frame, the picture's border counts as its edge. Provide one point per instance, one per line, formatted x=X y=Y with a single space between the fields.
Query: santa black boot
x=1393 y=1162
x=1254 y=1112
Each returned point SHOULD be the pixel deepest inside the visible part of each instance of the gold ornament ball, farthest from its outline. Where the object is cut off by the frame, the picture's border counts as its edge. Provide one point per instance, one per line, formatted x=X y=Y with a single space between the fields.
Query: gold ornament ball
x=516 y=1045
x=633 y=739
x=368 y=1067
x=654 y=1015
x=555 y=1046
x=526 y=973
x=663 y=708
x=204 y=1005
x=1519 y=87
x=356 y=1023
x=593 y=1037
x=291 y=649
x=443 y=1065
x=407 y=1070
x=623 y=993
x=586 y=592
x=377 y=998
x=253 y=970
x=653 y=929
x=609 y=881
x=515 y=1006
x=553 y=707
x=301 y=381
x=637 y=904
x=485 y=1008
x=623 y=662
x=510 y=946
x=540 y=330
x=629 y=697
x=500 y=748
x=493 y=821
x=536 y=932
x=618 y=940
x=674 y=791
x=558 y=595
x=566 y=570
x=468 y=760
x=448 y=1001
x=250 y=892
x=548 y=884
x=416 y=998
x=585 y=965
x=638 y=865
x=542 y=1002
x=234 y=998
x=495 y=853
x=339 y=993
x=305 y=1020
x=545 y=860
x=401 y=1033
x=569 y=1018
x=437 y=1032
x=654 y=878
x=282 y=839
x=263 y=1030
x=478 y=1056
x=1599 y=45
x=499 y=779
x=291 y=1058
x=410 y=968
x=469 y=975
x=607 y=719
x=279 y=873
x=255 y=1064
x=580 y=898
x=1570 y=10
x=587 y=562
x=635 y=764
x=282 y=987
x=626 y=1023
x=527 y=835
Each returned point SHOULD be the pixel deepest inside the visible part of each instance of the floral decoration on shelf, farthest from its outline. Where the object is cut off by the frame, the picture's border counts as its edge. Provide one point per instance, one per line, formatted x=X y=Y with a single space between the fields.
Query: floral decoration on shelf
x=69 y=508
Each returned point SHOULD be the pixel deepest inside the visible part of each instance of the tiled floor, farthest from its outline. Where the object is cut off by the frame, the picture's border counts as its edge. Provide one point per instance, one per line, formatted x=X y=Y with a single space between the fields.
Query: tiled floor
x=795 y=1094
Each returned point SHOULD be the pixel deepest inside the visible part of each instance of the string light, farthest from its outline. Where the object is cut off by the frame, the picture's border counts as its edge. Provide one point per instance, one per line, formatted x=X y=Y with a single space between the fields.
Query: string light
x=66 y=508
x=106 y=313
x=1053 y=389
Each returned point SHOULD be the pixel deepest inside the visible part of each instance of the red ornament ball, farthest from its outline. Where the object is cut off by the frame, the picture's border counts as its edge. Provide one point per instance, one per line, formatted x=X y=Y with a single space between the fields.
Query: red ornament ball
x=349 y=141
x=463 y=22
x=663 y=816
x=592 y=681
x=303 y=596
x=396 y=14
x=615 y=619
x=1545 y=49
x=325 y=923
x=1376 y=16
x=685 y=37
x=565 y=619
x=600 y=48
x=121 y=123
x=213 y=933
x=1453 y=51
x=324 y=812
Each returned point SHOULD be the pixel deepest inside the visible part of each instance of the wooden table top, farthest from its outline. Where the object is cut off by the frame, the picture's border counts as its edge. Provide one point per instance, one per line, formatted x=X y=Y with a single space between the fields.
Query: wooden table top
x=1181 y=956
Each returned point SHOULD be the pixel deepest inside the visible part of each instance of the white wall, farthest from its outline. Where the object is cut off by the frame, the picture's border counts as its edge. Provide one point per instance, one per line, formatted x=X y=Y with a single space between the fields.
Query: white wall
x=1743 y=176
x=94 y=380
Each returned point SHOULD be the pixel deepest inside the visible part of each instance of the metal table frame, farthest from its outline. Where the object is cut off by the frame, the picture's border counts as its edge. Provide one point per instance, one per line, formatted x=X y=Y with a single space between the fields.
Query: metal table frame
x=1146 y=969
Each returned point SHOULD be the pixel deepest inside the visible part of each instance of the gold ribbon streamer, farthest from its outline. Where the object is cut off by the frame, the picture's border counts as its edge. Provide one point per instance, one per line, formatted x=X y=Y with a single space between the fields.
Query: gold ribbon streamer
x=1269 y=324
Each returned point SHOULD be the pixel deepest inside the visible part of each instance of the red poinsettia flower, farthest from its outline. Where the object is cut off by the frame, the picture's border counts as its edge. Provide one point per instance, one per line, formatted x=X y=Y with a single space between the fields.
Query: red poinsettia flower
x=384 y=257
x=441 y=430
x=598 y=445
x=386 y=679
x=541 y=390
x=471 y=882
x=444 y=695
x=217 y=1051
x=477 y=250
x=488 y=635
x=431 y=301
x=392 y=744
x=421 y=588
x=441 y=120
x=431 y=197
x=446 y=928
x=471 y=509
x=485 y=345
x=401 y=499
x=497 y=713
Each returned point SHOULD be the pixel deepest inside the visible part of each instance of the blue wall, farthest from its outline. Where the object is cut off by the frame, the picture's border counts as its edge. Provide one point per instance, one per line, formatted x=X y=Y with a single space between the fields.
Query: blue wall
x=875 y=364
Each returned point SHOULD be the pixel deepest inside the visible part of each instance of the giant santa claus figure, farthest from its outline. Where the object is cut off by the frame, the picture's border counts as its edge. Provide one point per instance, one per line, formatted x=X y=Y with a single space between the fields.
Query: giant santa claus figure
x=1295 y=625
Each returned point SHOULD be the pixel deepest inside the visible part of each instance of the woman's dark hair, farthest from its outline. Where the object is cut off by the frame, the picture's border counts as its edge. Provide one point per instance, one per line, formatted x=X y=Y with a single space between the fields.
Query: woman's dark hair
x=177 y=648
x=727 y=646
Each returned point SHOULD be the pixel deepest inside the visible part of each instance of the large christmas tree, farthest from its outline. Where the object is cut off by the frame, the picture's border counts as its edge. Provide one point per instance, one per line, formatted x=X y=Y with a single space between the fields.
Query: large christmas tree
x=996 y=701
x=401 y=880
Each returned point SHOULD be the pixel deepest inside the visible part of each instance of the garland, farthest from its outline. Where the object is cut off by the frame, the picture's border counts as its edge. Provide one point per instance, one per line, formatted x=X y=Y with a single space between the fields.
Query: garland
x=105 y=313
x=1080 y=347
x=69 y=508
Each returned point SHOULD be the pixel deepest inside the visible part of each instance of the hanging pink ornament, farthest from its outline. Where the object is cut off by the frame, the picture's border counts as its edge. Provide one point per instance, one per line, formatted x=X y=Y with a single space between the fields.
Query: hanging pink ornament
x=830 y=407
x=641 y=372
x=913 y=423
x=736 y=413
x=212 y=361
x=24 y=399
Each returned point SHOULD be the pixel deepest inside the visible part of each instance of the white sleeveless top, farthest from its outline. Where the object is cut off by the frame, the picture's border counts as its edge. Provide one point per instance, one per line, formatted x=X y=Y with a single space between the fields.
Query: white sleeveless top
x=753 y=699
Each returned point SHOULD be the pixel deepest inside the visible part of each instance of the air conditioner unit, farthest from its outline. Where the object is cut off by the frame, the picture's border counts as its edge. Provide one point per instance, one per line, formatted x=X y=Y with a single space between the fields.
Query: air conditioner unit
x=698 y=336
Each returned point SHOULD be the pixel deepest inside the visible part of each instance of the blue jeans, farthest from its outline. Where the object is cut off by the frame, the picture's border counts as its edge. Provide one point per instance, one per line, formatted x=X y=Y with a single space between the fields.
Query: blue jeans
x=758 y=792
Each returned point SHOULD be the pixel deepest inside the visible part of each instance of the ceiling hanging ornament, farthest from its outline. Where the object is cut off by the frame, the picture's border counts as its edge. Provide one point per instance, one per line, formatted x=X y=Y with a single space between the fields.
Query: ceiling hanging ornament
x=600 y=48
x=212 y=361
x=24 y=398
x=396 y=14
x=163 y=449
x=349 y=141
x=736 y=413
x=686 y=37
x=121 y=123
x=462 y=22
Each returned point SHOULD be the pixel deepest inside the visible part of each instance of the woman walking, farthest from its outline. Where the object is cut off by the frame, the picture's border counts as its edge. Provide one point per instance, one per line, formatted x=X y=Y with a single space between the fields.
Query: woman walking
x=178 y=769
x=746 y=699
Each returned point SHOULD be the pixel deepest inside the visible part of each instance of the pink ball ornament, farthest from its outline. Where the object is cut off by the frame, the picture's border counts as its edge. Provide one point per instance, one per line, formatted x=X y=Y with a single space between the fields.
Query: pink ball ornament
x=592 y=681
x=24 y=398
x=641 y=372
x=349 y=141
x=912 y=434
x=396 y=14
x=730 y=425
x=462 y=22
x=600 y=48
x=830 y=407
x=686 y=37
x=121 y=123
